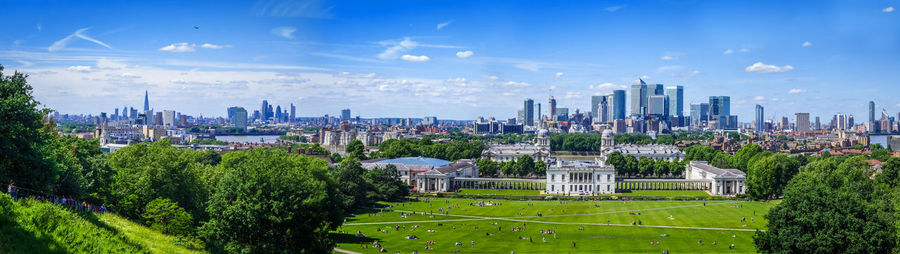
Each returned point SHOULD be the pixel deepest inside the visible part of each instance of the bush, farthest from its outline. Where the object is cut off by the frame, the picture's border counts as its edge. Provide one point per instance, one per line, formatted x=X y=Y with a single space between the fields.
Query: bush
x=166 y=216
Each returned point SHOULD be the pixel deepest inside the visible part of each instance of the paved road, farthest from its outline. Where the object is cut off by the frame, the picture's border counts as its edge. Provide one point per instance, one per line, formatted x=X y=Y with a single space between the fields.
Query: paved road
x=518 y=219
x=346 y=251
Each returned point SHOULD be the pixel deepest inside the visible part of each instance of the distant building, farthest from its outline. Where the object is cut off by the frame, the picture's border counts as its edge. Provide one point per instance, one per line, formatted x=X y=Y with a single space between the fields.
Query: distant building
x=760 y=120
x=168 y=118
x=581 y=177
x=427 y=174
x=723 y=181
x=802 y=121
x=639 y=98
x=345 y=114
x=699 y=114
x=528 y=111
x=429 y=120
x=240 y=118
x=657 y=105
x=675 y=96
x=618 y=105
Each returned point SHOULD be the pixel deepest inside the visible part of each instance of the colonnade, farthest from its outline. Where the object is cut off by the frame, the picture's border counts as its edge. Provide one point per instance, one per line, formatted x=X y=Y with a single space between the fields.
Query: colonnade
x=509 y=184
x=663 y=185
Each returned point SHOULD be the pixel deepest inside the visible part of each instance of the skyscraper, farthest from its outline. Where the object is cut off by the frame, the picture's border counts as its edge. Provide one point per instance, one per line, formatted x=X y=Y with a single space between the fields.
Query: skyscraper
x=345 y=114
x=293 y=113
x=818 y=124
x=618 y=105
x=720 y=111
x=639 y=98
x=603 y=109
x=146 y=101
x=231 y=112
x=168 y=118
x=264 y=111
x=675 y=95
x=760 y=120
x=699 y=113
x=240 y=118
x=871 y=126
x=802 y=121
x=656 y=105
x=595 y=107
x=552 y=108
x=529 y=112
x=658 y=89
x=278 y=115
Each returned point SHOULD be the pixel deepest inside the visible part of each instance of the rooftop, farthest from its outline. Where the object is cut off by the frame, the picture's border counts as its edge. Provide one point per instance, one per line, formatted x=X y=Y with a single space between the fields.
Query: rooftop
x=420 y=161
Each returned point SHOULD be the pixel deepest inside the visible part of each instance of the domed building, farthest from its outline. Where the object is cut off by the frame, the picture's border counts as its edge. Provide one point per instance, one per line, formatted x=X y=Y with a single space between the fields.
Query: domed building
x=539 y=151
x=427 y=174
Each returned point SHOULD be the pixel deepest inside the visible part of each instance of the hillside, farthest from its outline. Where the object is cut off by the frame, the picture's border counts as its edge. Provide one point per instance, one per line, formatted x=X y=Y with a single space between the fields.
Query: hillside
x=30 y=226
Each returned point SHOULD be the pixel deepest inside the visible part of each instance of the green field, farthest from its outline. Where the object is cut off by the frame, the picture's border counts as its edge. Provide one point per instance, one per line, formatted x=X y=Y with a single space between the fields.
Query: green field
x=500 y=192
x=646 y=193
x=595 y=227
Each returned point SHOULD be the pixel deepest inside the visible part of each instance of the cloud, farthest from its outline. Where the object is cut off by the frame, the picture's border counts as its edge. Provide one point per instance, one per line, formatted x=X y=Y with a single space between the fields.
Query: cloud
x=796 y=91
x=345 y=57
x=230 y=65
x=888 y=9
x=25 y=63
x=413 y=58
x=668 y=68
x=572 y=95
x=79 y=68
x=179 y=47
x=614 y=8
x=61 y=44
x=517 y=84
x=687 y=74
x=295 y=8
x=759 y=98
x=806 y=44
x=529 y=65
x=744 y=50
x=465 y=54
x=284 y=31
x=559 y=74
x=442 y=25
x=728 y=52
x=605 y=86
x=397 y=47
x=760 y=67
x=666 y=58
x=213 y=46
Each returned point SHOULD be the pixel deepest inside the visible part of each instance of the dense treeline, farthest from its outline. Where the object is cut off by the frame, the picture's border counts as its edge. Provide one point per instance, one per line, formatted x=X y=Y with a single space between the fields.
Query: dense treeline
x=451 y=151
x=631 y=166
x=592 y=141
x=508 y=138
x=521 y=167
x=254 y=201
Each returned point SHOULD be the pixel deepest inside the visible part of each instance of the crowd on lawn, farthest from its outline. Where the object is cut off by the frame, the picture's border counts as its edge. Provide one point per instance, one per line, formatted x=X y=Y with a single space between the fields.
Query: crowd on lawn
x=71 y=203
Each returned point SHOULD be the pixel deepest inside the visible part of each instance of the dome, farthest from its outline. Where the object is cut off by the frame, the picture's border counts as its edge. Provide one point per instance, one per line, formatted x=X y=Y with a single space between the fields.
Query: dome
x=543 y=133
x=607 y=133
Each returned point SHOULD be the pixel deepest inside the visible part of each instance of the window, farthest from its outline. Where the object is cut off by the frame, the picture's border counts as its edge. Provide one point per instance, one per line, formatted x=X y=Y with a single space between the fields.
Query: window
x=608 y=177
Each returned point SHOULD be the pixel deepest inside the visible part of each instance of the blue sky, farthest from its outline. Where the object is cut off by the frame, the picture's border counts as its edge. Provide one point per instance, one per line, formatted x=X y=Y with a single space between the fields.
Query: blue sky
x=452 y=59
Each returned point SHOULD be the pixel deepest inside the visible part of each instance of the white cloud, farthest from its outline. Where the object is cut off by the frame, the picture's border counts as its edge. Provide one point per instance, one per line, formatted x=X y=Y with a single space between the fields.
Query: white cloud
x=442 y=25
x=25 y=63
x=413 y=58
x=760 y=67
x=668 y=68
x=518 y=84
x=79 y=68
x=559 y=74
x=888 y=9
x=605 y=86
x=666 y=58
x=796 y=91
x=179 y=47
x=572 y=95
x=759 y=98
x=728 y=52
x=529 y=65
x=614 y=8
x=284 y=31
x=465 y=54
x=898 y=104
x=687 y=74
x=744 y=50
x=806 y=44
x=493 y=78
x=397 y=47
x=61 y=44
x=213 y=46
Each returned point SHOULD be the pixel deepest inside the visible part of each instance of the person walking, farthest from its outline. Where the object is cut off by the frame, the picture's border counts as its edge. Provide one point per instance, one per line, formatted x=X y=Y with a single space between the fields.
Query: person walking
x=12 y=189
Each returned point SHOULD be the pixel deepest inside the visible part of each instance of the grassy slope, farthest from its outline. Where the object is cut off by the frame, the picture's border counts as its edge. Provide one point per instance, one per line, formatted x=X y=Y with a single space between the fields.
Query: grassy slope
x=29 y=226
x=596 y=237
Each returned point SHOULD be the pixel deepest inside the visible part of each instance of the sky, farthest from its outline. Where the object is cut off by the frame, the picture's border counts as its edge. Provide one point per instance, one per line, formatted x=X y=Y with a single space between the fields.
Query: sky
x=452 y=59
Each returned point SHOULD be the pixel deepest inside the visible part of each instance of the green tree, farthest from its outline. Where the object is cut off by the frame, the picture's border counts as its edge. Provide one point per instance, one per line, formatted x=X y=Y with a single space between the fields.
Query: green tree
x=677 y=168
x=267 y=199
x=525 y=165
x=742 y=156
x=618 y=161
x=631 y=165
x=721 y=160
x=890 y=173
x=353 y=184
x=508 y=168
x=645 y=166
x=166 y=216
x=661 y=167
x=767 y=177
x=386 y=183
x=21 y=136
x=487 y=167
x=830 y=207
x=540 y=168
x=356 y=149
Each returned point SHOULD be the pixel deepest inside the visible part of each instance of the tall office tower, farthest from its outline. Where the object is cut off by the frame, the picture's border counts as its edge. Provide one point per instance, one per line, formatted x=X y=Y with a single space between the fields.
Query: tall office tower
x=675 y=95
x=168 y=118
x=294 y=114
x=840 y=121
x=656 y=105
x=595 y=107
x=146 y=101
x=552 y=108
x=116 y=115
x=850 y=122
x=802 y=121
x=540 y=120
x=871 y=111
x=158 y=119
x=278 y=115
x=264 y=111
x=134 y=113
x=784 y=124
x=529 y=112
x=520 y=116
x=345 y=114
x=603 y=109
x=699 y=113
x=657 y=89
x=240 y=118
x=760 y=120
x=639 y=98
x=720 y=110
x=818 y=124
x=231 y=112
x=429 y=120
x=618 y=105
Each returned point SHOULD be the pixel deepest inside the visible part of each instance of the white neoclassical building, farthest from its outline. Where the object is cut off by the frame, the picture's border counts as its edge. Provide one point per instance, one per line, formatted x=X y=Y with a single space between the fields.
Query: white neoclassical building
x=581 y=177
x=722 y=181
x=652 y=151
x=539 y=151
x=427 y=174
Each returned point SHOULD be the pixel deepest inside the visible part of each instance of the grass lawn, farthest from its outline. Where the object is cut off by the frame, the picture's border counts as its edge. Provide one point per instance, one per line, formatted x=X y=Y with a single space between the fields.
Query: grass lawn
x=665 y=193
x=500 y=192
x=676 y=226
x=154 y=241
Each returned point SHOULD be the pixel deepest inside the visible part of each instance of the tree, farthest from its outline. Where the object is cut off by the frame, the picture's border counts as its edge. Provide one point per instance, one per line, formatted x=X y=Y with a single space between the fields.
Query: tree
x=721 y=160
x=661 y=167
x=767 y=177
x=742 y=156
x=890 y=173
x=508 y=168
x=487 y=167
x=354 y=186
x=524 y=165
x=618 y=161
x=540 y=168
x=831 y=207
x=631 y=165
x=677 y=168
x=273 y=199
x=21 y=148
x=166 y=216
x=356 y=149
x=386 y=184
x=645 y=166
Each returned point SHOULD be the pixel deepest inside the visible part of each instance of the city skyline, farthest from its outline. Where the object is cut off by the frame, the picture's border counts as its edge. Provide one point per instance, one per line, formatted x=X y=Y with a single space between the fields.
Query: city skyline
x=442 y=60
